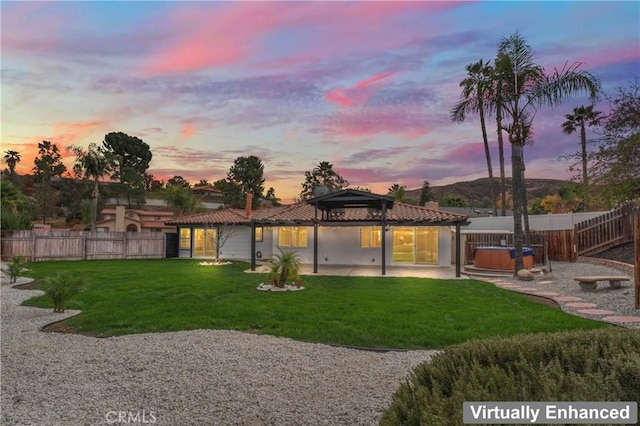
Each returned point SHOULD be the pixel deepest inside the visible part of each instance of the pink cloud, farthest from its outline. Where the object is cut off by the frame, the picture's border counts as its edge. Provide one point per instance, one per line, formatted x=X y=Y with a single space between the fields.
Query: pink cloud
x=359 y=94
x=611 y=56
x=214 y=34
x=409 y=124
x=188 y=130
x=77 y=133
x=34 y=26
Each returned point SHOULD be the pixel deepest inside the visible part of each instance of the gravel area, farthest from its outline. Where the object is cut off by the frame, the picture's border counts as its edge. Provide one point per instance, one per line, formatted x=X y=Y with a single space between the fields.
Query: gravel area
x=621 y=300
x=216 y=377
x=202 y=377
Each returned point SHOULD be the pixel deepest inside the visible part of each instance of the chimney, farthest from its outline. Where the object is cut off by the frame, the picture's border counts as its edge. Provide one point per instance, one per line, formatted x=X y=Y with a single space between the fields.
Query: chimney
x=432 y=205
x=120 y=219
x=249 y=203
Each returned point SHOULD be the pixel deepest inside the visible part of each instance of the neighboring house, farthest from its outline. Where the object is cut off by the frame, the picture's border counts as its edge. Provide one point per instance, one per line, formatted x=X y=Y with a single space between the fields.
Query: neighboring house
x=122 y=219
x=339 y=228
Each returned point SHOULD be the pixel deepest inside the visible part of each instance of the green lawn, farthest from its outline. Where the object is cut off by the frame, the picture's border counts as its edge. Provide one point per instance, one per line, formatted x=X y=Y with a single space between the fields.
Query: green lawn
x=141 y=296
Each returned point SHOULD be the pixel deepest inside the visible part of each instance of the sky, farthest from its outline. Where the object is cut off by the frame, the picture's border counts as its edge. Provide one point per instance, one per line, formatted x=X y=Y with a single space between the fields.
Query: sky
x=367 y=86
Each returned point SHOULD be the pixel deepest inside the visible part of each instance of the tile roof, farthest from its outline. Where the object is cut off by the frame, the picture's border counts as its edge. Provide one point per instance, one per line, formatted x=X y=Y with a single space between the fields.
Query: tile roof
x=303 y=212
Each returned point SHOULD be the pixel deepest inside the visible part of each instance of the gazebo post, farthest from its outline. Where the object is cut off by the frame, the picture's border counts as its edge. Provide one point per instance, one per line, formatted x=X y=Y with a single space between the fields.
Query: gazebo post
x=315 y=239
x=383 y=243
x=458 y=250
x=253 y=245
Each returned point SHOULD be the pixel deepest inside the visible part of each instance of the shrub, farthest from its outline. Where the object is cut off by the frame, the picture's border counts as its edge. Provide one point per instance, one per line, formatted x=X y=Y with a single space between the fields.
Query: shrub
x=287 y=265
x=15 y=267
x=599 y=365
x=61 y=287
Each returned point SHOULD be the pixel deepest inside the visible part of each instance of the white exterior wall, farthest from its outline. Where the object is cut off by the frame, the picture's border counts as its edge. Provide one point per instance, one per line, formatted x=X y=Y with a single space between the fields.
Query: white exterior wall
x=266 y=246
x=542 y=222
x=341 y=246
x=238 y=246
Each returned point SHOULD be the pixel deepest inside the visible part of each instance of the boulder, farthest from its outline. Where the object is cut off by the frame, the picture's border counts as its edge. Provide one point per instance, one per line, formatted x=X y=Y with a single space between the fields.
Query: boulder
x=525 y=275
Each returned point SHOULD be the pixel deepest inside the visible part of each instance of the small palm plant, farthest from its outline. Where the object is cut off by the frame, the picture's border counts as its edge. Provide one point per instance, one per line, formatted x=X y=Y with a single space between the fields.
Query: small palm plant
x=287 y=267
x=15 y=267
x=61 y=287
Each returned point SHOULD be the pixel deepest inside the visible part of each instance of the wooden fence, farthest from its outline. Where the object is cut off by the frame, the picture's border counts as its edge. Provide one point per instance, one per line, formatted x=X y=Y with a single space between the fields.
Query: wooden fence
x=608 y=230
x=552 y=245
x=587 y=238
x=67 y=245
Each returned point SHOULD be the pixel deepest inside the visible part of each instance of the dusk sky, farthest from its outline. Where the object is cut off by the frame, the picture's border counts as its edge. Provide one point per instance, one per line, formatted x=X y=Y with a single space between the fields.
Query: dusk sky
x=367 y=86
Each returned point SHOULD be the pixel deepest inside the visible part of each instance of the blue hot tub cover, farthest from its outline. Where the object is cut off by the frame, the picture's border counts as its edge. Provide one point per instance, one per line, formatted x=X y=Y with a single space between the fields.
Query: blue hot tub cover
x=526 y=251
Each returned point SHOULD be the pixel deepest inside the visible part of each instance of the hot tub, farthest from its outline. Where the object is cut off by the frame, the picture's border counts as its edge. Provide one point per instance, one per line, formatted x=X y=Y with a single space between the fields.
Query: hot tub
x=501 y=258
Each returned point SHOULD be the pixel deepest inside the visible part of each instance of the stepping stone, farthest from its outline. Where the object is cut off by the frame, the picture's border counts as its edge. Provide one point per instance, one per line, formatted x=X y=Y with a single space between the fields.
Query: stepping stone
x=596 y=312
x=519 y=288
x=545 y=293
x=622 y=319
x=581 y=305
x=568 y=299
x=545 y=282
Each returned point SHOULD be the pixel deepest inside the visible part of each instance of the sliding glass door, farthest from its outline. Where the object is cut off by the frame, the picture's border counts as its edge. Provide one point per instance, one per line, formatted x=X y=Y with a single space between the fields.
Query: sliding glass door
x=415 y=245
x=204 y=242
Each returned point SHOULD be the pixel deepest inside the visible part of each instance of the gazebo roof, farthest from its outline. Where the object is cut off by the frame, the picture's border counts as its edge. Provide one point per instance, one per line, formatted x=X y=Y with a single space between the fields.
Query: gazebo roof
x=351 y=198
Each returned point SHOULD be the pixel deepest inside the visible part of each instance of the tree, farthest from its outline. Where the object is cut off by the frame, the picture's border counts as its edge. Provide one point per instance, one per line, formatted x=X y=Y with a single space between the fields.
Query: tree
x=17 y=210
x=178 y=181
x=151 y=183
x=271 y=197
x=476 y=89
x=181 y=198
x=452 y=200
x=322 y=175
x=581 y=118
x=397 y=192
x=203 y=182
x=129 y=159
x=246 y=174
x=12 y=158
x=425 y=194
x=615 y=169
x=90 y=164
x=48 y=165
x=527 y=88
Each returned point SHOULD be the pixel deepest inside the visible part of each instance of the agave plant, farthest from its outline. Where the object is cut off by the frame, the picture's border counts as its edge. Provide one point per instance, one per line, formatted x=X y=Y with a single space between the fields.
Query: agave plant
x=286 y=266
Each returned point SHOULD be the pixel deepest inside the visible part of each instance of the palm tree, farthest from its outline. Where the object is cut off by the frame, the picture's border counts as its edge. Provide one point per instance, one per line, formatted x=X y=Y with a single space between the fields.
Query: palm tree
x=12 y=158
x=91 y=164
x=582 y=116
x=397 y=192
x=475 y=90
x=498 y=88
x=528 y=88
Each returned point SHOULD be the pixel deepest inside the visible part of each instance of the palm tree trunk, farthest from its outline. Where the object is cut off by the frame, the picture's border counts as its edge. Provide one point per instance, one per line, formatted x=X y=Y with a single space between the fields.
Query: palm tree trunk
x=583 y=140
x=525 y=207
x=487 y=155
x=94 y=212
x=516 y=171
x=503 y=180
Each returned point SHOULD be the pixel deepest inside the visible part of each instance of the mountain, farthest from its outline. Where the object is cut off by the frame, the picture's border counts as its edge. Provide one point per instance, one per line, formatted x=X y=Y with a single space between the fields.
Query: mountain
x=474 y=191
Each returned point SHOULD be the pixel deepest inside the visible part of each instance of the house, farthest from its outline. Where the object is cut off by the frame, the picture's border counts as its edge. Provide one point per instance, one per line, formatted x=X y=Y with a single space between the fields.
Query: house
x=338 y=228
x=122 y=219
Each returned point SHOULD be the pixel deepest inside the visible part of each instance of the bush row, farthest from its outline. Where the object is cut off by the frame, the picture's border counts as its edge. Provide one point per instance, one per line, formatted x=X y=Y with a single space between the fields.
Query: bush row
x=599 y=365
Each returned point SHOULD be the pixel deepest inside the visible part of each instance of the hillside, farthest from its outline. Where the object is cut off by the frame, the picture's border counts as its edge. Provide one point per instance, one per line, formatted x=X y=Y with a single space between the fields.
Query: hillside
x=474 y=191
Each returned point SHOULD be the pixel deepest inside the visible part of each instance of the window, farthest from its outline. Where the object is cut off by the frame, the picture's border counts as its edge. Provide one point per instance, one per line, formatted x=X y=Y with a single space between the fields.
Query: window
x=292 y=236
x=258 y=233
x=185 y=238
x=370 y=237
